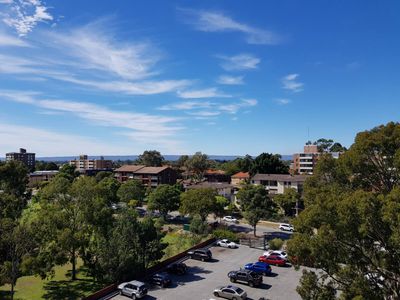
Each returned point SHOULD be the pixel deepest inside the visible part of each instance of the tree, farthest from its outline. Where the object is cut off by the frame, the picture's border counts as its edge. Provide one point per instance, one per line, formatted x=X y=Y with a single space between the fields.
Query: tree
x=288 y=201
x=67 y=171
x=182 y=161
x=131 y=190
x=151 y=158
x=200 y=202
x=164 y=198
x=337 y=147
x=350 y=225
x=58 y=185
x=104 y=174
x=255 y=203
x=267 y=163
x=197 y=164
x=324 y=145
x=310 y=287
x=108 y=189
x=220 y=203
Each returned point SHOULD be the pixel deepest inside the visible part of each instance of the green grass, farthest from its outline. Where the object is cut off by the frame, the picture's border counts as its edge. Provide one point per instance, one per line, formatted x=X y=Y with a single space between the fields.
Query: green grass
x=58 y=287
x=179 y=242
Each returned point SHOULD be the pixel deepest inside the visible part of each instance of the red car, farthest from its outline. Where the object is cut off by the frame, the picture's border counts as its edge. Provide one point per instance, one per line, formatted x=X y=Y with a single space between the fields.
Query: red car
x=273 y=260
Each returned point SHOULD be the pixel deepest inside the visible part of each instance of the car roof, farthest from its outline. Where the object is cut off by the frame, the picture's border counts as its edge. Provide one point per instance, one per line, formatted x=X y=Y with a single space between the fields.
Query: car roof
x=135 y=282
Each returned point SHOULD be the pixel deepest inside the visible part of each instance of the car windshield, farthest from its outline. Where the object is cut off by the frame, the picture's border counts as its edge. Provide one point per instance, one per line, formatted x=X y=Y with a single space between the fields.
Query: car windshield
x=238 y=290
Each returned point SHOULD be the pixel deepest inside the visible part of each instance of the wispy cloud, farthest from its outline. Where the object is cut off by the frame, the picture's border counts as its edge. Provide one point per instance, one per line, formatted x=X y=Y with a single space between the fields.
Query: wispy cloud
x=211 y=21
x=239 y=62
x=230 y=80
x=203 y=93
x=289 y=82
x=138 y=124
x=282 y=101
x=24 y=15
x=186 y=105
x=7 y=40
x=235 y=107
x=204 y=113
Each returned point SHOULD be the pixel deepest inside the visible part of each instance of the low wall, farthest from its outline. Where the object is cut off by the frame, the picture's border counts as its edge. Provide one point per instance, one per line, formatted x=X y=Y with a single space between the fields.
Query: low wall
x=154 y=269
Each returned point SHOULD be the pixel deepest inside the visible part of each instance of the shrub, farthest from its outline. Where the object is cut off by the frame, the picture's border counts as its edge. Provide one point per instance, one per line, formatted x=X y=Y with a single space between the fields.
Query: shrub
x=275 y=244
x=225 y=234
x=197 y=226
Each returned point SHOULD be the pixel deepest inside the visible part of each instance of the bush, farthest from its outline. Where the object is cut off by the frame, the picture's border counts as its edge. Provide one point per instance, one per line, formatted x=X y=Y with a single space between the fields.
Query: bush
x=225 y=234
x=275 y=244
x=197 y=226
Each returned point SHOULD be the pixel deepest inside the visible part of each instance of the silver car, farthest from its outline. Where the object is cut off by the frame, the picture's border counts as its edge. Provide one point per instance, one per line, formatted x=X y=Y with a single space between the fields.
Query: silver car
x=230 y=292
x=134 y=289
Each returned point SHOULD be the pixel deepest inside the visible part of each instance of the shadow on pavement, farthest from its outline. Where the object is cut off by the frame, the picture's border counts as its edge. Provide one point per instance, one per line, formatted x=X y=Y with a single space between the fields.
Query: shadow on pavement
x=193 y=274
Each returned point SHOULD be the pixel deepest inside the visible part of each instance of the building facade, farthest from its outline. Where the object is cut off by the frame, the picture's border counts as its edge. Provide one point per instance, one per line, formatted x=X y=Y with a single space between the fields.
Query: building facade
x=240 y=178
x=27 y=158
x=277 y=183
x=223 y=189
x=38 y=177
x=216 y=176
x=304 y=163
x=148 y=176
x=84 y=163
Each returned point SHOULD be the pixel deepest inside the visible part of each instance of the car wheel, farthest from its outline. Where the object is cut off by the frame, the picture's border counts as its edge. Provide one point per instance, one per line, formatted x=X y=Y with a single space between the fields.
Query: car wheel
x=133 y=296
x=251 y=284
x=216 y=294
x=202 y=259
x=233 y=280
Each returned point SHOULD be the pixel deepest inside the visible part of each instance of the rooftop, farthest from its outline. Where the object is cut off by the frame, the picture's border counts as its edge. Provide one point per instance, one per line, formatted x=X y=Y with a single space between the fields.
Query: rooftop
x=141 y=169
x=241 y=175
x=280 y=177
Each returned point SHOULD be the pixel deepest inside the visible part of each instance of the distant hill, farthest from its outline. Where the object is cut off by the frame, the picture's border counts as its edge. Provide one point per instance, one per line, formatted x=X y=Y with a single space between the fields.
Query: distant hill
x=134 y=157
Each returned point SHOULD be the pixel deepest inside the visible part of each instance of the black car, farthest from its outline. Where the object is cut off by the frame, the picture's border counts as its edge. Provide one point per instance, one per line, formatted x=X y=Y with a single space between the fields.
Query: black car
x=246 y=276
x=177 y=268
x=201 y=254
x=160 y=279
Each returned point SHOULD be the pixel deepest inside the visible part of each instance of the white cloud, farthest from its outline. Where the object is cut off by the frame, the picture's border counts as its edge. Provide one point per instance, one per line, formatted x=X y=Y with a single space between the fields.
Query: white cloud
x=154 y=127
x=210 y=21
x=282 y=101
x=7 y=40
x=46 y=143
x=204 y=93
x=204 y=113
x=230 y=80
x=235 y=107
x=186 y=105
x=24 y=15
x=239 y=62
x=289 y=83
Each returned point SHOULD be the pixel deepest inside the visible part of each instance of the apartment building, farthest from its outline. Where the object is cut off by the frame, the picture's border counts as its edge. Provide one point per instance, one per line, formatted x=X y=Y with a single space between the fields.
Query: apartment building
x=85 y=164
x=27 y=158
x=216 y=176
x=38 y=177
x=304 y=163
x=277 y=183
x=149 y=176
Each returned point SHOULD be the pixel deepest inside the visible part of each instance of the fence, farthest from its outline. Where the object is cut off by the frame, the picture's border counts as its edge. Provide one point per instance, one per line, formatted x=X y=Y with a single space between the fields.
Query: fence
x=154 y=269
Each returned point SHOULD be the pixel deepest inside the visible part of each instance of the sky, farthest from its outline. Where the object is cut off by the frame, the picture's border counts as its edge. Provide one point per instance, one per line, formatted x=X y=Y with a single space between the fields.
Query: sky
x=221 y=77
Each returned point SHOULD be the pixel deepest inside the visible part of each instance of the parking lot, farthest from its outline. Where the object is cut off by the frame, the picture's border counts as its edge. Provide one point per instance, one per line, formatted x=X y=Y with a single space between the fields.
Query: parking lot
x=203 y=277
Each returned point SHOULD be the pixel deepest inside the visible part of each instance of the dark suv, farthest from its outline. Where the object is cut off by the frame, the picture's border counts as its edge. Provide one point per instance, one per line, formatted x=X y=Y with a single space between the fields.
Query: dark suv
x=161 y=279
x=246 y=276
x=200 y=254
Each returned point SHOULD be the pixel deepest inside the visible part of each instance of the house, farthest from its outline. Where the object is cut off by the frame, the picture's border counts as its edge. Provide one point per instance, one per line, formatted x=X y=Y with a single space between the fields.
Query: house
x=216 y=176
x=38 y=177
x=239 y=178
x=223 y=189
x=276 y=183
x=149 y=176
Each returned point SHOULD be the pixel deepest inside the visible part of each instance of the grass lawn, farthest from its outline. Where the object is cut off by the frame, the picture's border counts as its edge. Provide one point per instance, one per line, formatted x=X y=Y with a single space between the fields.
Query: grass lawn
x=58 y=287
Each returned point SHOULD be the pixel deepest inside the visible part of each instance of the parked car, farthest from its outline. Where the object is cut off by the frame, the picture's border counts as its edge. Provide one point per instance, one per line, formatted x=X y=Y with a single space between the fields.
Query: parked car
x=201 y=254
x=259 y=267
x=250 y=277
x=161 y=279
x=230 y=219
x=273 y=260
x=177 y=268
x=134 y=289
x=230 y=292
x=280 y=253
x=227 y=244
x=286 y=227
x=177 y=219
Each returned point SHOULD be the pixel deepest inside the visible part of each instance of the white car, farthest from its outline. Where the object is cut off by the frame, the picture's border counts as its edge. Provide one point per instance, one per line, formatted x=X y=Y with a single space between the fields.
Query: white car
x=286 y=227
x=227 y=244
x=280 y=253
x=230 y=219
x=133 y=289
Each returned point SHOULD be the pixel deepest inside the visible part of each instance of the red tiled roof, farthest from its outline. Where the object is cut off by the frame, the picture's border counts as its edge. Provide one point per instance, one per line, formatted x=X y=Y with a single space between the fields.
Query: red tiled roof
x=241 y=175
x=217 y=172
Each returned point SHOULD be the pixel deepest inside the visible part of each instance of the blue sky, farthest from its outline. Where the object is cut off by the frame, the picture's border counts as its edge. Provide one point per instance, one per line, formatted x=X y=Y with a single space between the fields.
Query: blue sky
x=221 y=77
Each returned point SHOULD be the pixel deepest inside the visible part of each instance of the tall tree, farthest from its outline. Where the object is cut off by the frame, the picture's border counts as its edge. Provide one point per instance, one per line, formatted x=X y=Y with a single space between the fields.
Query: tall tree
x=131 y=190
x=323 y=144
x=267 y=163
x=164 y=198
x=288 y=201
x=255 y=203
x=337 y=147
x=151 y=158
x=200 y=202
x=350 y=225
x=198 y=164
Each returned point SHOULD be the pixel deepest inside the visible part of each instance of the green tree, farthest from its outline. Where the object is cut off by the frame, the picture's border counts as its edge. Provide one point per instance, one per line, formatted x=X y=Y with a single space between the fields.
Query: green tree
x=131 y=190
x=182 y=161
x=350 y=225
x=58 y=185
x=288 y=201
x=103 y=174
x=108 y=189
x=67 y=171
x=197 y=164
x=220 y=203
x=311 y=288
x=324 y=145
x=151 y=158
x=200 y=202
x=267 y=163
x=337 y=147
x=164 y=198
x=255 y=203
